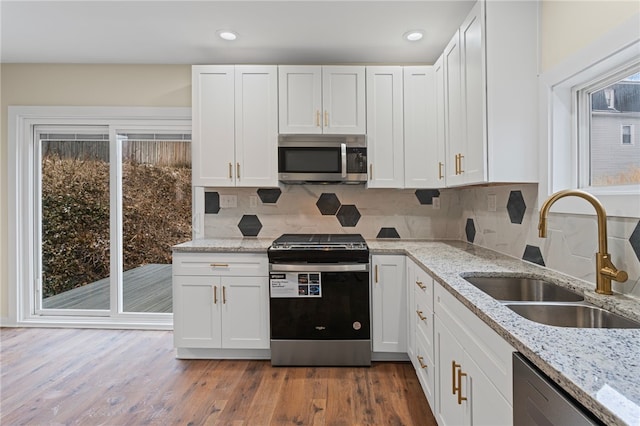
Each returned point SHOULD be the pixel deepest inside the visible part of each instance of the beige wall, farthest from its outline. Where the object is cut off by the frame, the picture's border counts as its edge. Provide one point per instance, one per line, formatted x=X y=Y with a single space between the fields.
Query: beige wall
x=568 y=25
x=80 y=85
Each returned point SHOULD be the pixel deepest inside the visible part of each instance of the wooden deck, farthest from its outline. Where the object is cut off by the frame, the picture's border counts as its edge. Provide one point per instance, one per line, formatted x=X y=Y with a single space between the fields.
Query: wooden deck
x=146 y=289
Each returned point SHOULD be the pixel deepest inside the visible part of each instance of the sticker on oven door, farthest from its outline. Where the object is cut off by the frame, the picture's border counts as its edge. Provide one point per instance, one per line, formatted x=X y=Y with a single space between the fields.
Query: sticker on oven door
x=295 y=284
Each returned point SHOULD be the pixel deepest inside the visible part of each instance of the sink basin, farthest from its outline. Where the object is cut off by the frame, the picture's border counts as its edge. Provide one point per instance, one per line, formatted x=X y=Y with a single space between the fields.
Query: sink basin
x=521 y=289
x=571 y=315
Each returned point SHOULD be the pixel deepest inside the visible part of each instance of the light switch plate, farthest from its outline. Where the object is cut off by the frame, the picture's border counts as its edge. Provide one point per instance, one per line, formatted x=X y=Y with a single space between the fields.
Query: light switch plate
x=436 y=203
x=228 y=201
x=491 y=202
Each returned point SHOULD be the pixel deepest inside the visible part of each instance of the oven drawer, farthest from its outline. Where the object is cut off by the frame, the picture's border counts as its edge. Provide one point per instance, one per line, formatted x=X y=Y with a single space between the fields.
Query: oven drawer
x=220 y=264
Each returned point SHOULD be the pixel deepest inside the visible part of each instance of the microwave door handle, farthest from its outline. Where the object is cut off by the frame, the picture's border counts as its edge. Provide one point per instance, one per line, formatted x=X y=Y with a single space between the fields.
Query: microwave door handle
x=343 y=152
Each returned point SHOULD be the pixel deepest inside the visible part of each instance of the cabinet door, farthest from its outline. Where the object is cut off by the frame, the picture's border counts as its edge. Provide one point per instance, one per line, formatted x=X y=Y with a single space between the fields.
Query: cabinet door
x=473 y=77
x=449 y=356
x=385 y=136
x=411 y=320
x=441 y=105
x=487 y=405
x=256 y=124
x=212 y=145
x=453 y=113
x=420 y=128
x=300 y=99
x=343 y=100
x=196 y=306
x=389 y=302
x=245 y=312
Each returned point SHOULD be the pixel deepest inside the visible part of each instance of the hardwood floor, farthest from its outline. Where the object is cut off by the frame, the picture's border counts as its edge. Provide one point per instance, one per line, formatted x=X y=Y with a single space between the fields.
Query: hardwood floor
x=131 y=377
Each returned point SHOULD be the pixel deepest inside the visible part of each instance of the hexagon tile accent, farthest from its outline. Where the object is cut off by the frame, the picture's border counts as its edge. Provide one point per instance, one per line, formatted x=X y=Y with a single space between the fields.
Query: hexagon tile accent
x=211 y=202
x=533 y=254
x=348 y=215
x=328 y=204
x=634 y=239
x=425 y=196
x=250 y=225
x=470 y=230
x=388 y=233
x=269 y=195
x=516 y=206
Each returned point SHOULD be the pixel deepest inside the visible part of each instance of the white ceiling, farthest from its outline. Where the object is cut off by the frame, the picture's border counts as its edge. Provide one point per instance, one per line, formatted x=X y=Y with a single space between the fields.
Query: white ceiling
x=184 y=32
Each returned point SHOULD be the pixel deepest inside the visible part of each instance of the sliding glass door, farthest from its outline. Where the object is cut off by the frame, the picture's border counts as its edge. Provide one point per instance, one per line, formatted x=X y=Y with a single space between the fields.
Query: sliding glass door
x=112 y=201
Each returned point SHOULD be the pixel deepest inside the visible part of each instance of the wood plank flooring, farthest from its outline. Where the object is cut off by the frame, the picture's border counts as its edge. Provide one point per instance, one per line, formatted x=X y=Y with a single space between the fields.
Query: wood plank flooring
x=131 y=377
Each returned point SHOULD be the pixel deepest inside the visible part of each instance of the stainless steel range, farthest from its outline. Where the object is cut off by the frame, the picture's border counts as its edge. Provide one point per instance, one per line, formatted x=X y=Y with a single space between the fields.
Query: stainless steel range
x=319 y=300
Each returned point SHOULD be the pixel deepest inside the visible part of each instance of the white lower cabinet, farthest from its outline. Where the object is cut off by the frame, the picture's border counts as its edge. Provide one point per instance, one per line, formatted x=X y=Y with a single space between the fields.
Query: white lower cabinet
x=220 y=301
x=474 y=370
x=389 y=301
x=420 y=328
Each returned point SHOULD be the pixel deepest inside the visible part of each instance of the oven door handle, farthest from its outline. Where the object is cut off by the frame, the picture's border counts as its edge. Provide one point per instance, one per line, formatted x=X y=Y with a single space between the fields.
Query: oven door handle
x=319 y=267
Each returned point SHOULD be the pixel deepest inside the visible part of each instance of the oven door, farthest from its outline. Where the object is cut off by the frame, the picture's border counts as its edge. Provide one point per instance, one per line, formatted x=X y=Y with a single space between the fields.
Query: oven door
x=319 y=302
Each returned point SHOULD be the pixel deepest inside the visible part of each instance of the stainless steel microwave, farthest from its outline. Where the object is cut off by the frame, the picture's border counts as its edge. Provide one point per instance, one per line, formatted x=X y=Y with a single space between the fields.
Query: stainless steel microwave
x=322 y=159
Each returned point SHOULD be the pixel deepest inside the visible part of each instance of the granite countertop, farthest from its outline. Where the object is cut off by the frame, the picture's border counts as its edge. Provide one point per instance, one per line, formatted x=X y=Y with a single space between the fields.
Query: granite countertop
x=599 y=367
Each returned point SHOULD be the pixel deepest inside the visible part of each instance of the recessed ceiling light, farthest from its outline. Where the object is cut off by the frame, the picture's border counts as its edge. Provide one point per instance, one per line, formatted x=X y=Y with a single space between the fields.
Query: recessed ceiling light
x=227 y=35
x=413 y=35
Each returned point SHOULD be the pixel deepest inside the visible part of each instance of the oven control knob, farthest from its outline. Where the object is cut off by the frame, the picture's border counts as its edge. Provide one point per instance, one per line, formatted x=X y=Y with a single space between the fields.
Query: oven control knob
x=357 y=325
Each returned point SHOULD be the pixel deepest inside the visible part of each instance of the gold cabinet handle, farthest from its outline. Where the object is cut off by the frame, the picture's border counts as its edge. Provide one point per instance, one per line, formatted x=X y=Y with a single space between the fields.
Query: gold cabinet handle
x=460 y=157
x=454 y=367
x=457 y=388
x=237 y=170
x=421 y=285
x=420 y=315
x=224 y=295
x=457 y=164
x=219 y=265
x=376 y=274
x=215 y=295
x=420 y=359
x=370 y=171
x=326 y=118
x=230 y=171
x=460 y=376
x=440 y=175
x=318 y=118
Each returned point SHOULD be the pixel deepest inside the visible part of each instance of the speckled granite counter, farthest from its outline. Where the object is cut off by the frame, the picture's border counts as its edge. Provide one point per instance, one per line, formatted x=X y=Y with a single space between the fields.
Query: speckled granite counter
x=598 y=367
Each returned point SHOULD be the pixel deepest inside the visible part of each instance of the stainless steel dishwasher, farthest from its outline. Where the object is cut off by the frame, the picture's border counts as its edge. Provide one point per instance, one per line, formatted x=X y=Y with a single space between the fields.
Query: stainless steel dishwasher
x=538 y=401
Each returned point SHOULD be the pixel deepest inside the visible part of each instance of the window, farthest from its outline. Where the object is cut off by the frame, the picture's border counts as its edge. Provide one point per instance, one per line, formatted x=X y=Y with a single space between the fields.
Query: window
x=86 y=188
x=604 y=109
x=585 y=104
x=627 y=134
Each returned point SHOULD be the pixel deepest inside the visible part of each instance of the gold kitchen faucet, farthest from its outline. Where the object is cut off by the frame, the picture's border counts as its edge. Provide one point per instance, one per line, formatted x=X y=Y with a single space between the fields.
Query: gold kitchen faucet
x=605 y=270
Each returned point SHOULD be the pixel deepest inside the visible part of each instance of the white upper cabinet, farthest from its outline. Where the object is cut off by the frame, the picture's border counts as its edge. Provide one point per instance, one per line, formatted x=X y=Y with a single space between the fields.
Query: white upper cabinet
x=235 y=125
x=385 y=135
x=213 y=138
x=322 y=99
x=420 y=128
x=490 y=93
x=441 y=140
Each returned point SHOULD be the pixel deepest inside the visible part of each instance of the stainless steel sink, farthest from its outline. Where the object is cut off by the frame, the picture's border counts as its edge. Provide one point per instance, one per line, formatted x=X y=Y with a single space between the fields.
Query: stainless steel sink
x=579 y=315
x=522 y=289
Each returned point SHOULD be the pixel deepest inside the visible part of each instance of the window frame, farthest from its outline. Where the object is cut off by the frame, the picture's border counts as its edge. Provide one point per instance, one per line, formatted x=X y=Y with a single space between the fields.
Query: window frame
x=23 y=217
x=559 y=154
x=631 y=134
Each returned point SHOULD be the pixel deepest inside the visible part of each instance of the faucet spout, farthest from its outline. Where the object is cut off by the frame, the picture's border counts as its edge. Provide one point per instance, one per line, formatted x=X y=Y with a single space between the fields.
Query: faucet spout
x=605 y=270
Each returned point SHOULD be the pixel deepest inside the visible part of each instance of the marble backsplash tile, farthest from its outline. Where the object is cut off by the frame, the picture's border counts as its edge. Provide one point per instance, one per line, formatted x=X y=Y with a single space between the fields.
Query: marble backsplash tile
x=463 y=214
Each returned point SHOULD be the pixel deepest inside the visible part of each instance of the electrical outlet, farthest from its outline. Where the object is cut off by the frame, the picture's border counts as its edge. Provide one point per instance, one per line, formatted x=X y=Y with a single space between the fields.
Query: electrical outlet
x=436 y=203
x=228 y=201
x=253 y=201
x=491 y=202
